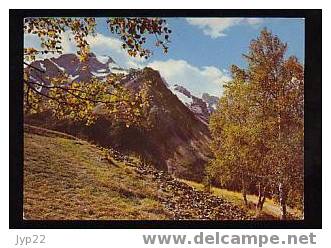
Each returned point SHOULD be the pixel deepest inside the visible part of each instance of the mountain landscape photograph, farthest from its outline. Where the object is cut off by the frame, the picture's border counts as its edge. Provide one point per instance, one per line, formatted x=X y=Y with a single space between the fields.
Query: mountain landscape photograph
x=153 y=118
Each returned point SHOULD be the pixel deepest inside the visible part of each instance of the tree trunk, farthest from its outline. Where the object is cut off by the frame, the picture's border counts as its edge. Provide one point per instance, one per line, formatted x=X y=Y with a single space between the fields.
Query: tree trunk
x=263 y=199
x=244 y=190
x=207 y=186
x=282 y=195
x=258 y=204
x=282 y=201
x=245 y=196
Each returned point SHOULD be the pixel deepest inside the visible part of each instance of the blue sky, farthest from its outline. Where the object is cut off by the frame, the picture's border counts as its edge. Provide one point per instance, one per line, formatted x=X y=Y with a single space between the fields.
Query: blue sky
x=215 y=43
x=201 y=49
x=191 y=44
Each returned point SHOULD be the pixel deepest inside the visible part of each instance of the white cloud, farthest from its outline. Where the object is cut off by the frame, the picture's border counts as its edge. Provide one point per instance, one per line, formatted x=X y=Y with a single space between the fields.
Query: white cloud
x=215 y=27
x=207 y=79
x=100 y=45
x=33 y=41
x=105 y=45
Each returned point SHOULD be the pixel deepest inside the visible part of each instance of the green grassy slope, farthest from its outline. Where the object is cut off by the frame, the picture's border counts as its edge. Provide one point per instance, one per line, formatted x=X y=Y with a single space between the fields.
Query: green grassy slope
x=270 y=208
x=68 y=179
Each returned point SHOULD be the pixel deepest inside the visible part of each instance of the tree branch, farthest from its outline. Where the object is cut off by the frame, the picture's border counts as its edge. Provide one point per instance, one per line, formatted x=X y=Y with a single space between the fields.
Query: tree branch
x=33 y=67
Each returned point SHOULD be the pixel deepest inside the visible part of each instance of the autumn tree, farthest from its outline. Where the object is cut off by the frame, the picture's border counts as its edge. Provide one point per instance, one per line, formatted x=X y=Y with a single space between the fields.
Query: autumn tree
x=231 y=136
x=273 y=121
x=77 y=100
x=277 y=86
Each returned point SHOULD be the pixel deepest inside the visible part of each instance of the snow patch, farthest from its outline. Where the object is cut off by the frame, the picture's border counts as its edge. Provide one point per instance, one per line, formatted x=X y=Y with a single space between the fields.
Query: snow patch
x=117 y=71
x=96 y=74
x=37 y=87
x=102 y=59
x=184 y=99
x=112 y=65
x=61 y=68
x=42 y=66
x=73 y=77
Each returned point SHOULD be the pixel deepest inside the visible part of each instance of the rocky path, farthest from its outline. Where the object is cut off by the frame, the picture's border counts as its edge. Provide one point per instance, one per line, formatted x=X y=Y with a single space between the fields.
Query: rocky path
x=184 y=202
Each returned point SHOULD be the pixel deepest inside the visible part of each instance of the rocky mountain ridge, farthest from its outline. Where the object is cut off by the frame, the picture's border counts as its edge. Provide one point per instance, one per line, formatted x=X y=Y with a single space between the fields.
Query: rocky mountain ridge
x=201 y=107
x=102 y=66
x=178 y=142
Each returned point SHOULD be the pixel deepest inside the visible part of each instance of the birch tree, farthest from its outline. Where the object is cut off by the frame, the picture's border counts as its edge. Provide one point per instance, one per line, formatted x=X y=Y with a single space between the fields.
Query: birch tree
x=267 y=144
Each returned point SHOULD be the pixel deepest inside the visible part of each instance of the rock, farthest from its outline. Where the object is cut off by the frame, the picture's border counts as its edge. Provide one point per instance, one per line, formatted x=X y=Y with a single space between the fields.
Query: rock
x=181 y=200
x=187 y=203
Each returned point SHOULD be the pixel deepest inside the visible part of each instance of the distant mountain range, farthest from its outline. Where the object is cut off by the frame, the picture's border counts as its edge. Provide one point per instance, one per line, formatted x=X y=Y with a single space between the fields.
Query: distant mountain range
x=95 y=66
x=179 y=140
x=201 y=107
x=101 y=66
